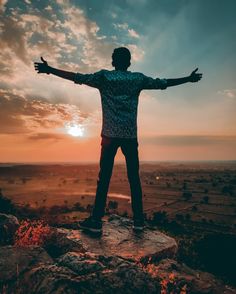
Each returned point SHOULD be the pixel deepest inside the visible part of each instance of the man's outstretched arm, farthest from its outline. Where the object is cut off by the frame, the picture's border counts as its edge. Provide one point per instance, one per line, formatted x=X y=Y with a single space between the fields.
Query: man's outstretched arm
x=45 y=68
x=193 y=78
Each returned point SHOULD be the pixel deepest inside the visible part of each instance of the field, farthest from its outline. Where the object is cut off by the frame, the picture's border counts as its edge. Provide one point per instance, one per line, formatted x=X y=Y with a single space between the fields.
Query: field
x=195 y=202
x=199 y=192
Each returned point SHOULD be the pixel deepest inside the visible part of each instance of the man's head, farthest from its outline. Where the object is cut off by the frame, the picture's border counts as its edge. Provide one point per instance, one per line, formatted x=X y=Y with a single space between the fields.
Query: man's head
x=121 y=58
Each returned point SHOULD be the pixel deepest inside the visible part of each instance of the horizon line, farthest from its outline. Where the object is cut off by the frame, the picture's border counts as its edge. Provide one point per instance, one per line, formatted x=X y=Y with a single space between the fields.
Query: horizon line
x=119 y=161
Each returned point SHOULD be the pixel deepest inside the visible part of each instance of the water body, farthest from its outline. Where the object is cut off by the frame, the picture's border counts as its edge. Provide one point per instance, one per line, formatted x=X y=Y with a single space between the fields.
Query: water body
x=113 y=195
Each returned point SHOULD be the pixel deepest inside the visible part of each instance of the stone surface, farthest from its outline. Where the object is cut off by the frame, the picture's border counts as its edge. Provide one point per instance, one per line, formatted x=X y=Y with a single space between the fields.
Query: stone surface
x=119 y=239
x=80 y=263
x=119 y=261
x=67 y=277
x=196 y=281
x=16 y=260
x=90 y=273
x=60 y=244
x=8 y=226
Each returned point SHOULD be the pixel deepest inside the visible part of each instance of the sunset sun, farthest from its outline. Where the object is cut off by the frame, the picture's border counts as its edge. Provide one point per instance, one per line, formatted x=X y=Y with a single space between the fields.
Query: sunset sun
x=75 y=130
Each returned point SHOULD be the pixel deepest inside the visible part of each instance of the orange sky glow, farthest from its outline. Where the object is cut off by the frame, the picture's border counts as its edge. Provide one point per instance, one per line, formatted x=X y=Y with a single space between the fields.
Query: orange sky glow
x=47 y=119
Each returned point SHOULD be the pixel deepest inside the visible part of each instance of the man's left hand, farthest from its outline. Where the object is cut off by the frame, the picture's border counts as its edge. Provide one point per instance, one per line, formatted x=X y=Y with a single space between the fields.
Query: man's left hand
x=195 y=77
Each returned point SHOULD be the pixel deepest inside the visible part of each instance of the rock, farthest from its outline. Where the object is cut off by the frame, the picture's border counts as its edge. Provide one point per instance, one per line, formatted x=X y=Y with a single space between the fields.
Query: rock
x=118 y=239
x=59 y=244
x=119 y=261
x=80 y=263
x=195 y=280
x=8 y=226
x=126 y=278
x=16 y=260
x=49 y=279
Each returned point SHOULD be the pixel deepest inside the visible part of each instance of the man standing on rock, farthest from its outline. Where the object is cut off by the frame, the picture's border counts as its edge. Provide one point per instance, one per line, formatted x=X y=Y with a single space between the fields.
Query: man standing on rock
x=119 y=90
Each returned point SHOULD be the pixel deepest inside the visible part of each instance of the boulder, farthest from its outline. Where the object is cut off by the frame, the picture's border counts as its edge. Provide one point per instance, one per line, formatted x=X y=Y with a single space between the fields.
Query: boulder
x=8 y=226
x=15 y=261
x=85 y=273
x=119 y=239
x=118 y=261
x=194 y=281
x=59 y=244
x=80 y=263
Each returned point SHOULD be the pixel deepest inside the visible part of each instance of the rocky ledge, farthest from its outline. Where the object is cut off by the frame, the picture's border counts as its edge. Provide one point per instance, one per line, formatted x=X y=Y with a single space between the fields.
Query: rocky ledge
x=119 y=239
x=119 y=261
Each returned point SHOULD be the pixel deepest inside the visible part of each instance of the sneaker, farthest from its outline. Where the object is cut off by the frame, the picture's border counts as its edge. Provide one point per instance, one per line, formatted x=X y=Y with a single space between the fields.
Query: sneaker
x=138 y=225
x=91 y=225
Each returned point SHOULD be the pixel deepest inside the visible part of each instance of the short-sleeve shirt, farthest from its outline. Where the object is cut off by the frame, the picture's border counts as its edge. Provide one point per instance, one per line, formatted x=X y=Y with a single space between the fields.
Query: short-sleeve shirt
x=119 y=92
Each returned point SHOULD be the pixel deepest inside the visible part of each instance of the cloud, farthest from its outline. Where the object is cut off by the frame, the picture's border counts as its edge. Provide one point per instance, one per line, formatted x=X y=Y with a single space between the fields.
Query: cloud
x=46 y=136
x=67 y=37
x=19 y=114
x=13 y=37
x=2 y=5
x=124 y=26
x=190 y=140
x=133 y=33
x=231 y=93
x=95 y=49
x=48 y=8
x=136 y=52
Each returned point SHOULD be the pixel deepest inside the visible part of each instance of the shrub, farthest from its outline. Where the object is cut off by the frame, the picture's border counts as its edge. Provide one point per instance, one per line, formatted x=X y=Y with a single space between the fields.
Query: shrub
x=32 y=233
x=6 y=205
x=159 y=217
x=112 y=204
x=194 y=208
x=78 y=206
x=187 y=195
x=205 y=199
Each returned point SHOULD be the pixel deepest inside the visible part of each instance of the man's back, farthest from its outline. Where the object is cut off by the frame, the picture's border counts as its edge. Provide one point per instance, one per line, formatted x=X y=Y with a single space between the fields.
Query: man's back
x=119 y=91
x=119 y=94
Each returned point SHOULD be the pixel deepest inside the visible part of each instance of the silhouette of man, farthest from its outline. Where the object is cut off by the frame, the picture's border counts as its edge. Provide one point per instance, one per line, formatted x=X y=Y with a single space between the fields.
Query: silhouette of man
x=119 y=90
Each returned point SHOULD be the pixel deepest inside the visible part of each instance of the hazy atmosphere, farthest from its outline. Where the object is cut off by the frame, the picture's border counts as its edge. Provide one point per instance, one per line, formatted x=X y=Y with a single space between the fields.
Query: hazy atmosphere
x=45 y=118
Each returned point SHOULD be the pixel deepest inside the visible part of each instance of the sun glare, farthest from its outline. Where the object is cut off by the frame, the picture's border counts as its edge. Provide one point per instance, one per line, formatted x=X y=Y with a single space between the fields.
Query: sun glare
x=75 y=130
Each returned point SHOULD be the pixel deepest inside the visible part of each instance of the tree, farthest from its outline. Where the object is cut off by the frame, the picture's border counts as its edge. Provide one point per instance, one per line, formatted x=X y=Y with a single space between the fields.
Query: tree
x=194 y=208
x=184 y=186
x=187 y=216
x=205 y=199
x=112 y=204
x=179 y=217
x=78 y=206
x=6 y=205
x=159 y=217
x=187 y=195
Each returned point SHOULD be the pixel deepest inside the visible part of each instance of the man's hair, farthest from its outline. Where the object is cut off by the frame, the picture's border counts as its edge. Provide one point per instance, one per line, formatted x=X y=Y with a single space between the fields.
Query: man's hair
x=121 y=57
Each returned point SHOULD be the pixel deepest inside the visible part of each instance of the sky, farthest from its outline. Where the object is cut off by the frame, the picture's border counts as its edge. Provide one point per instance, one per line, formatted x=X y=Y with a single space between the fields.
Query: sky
x=44 y=118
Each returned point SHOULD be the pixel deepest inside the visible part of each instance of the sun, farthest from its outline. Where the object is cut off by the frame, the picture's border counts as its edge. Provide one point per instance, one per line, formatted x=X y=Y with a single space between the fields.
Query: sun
x=75 y=130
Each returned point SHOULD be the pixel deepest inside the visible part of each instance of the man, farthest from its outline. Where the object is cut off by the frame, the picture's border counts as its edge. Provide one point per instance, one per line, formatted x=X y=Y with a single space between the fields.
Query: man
x=119 y=90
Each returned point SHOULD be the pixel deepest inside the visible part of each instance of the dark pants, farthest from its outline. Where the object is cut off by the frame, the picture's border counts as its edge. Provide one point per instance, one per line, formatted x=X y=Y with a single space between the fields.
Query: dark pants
x=109 y=148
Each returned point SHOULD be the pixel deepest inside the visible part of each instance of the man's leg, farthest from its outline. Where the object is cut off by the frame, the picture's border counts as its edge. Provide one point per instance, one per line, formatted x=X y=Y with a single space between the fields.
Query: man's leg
x=108 y=152
x=129 y=148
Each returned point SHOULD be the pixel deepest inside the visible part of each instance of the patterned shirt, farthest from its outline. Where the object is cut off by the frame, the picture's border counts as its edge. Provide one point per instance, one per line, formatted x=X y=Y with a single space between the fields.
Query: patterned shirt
x=119 y=92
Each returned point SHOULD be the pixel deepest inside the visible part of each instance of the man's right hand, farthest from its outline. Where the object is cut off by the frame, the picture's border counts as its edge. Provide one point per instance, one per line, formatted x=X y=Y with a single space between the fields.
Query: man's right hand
x=42 y=67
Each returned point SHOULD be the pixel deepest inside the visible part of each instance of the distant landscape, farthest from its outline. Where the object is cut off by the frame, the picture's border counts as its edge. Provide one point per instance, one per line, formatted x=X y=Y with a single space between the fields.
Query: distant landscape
x=193 y=201
x=200 y=192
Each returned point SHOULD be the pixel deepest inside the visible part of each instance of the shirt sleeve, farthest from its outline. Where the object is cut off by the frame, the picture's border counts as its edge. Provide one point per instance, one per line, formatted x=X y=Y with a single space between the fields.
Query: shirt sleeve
x=150 y=83
x=93 y=80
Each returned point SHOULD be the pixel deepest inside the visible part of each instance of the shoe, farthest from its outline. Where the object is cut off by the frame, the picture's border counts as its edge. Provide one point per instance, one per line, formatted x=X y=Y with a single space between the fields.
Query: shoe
x=138 y=225
x=91 y=225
